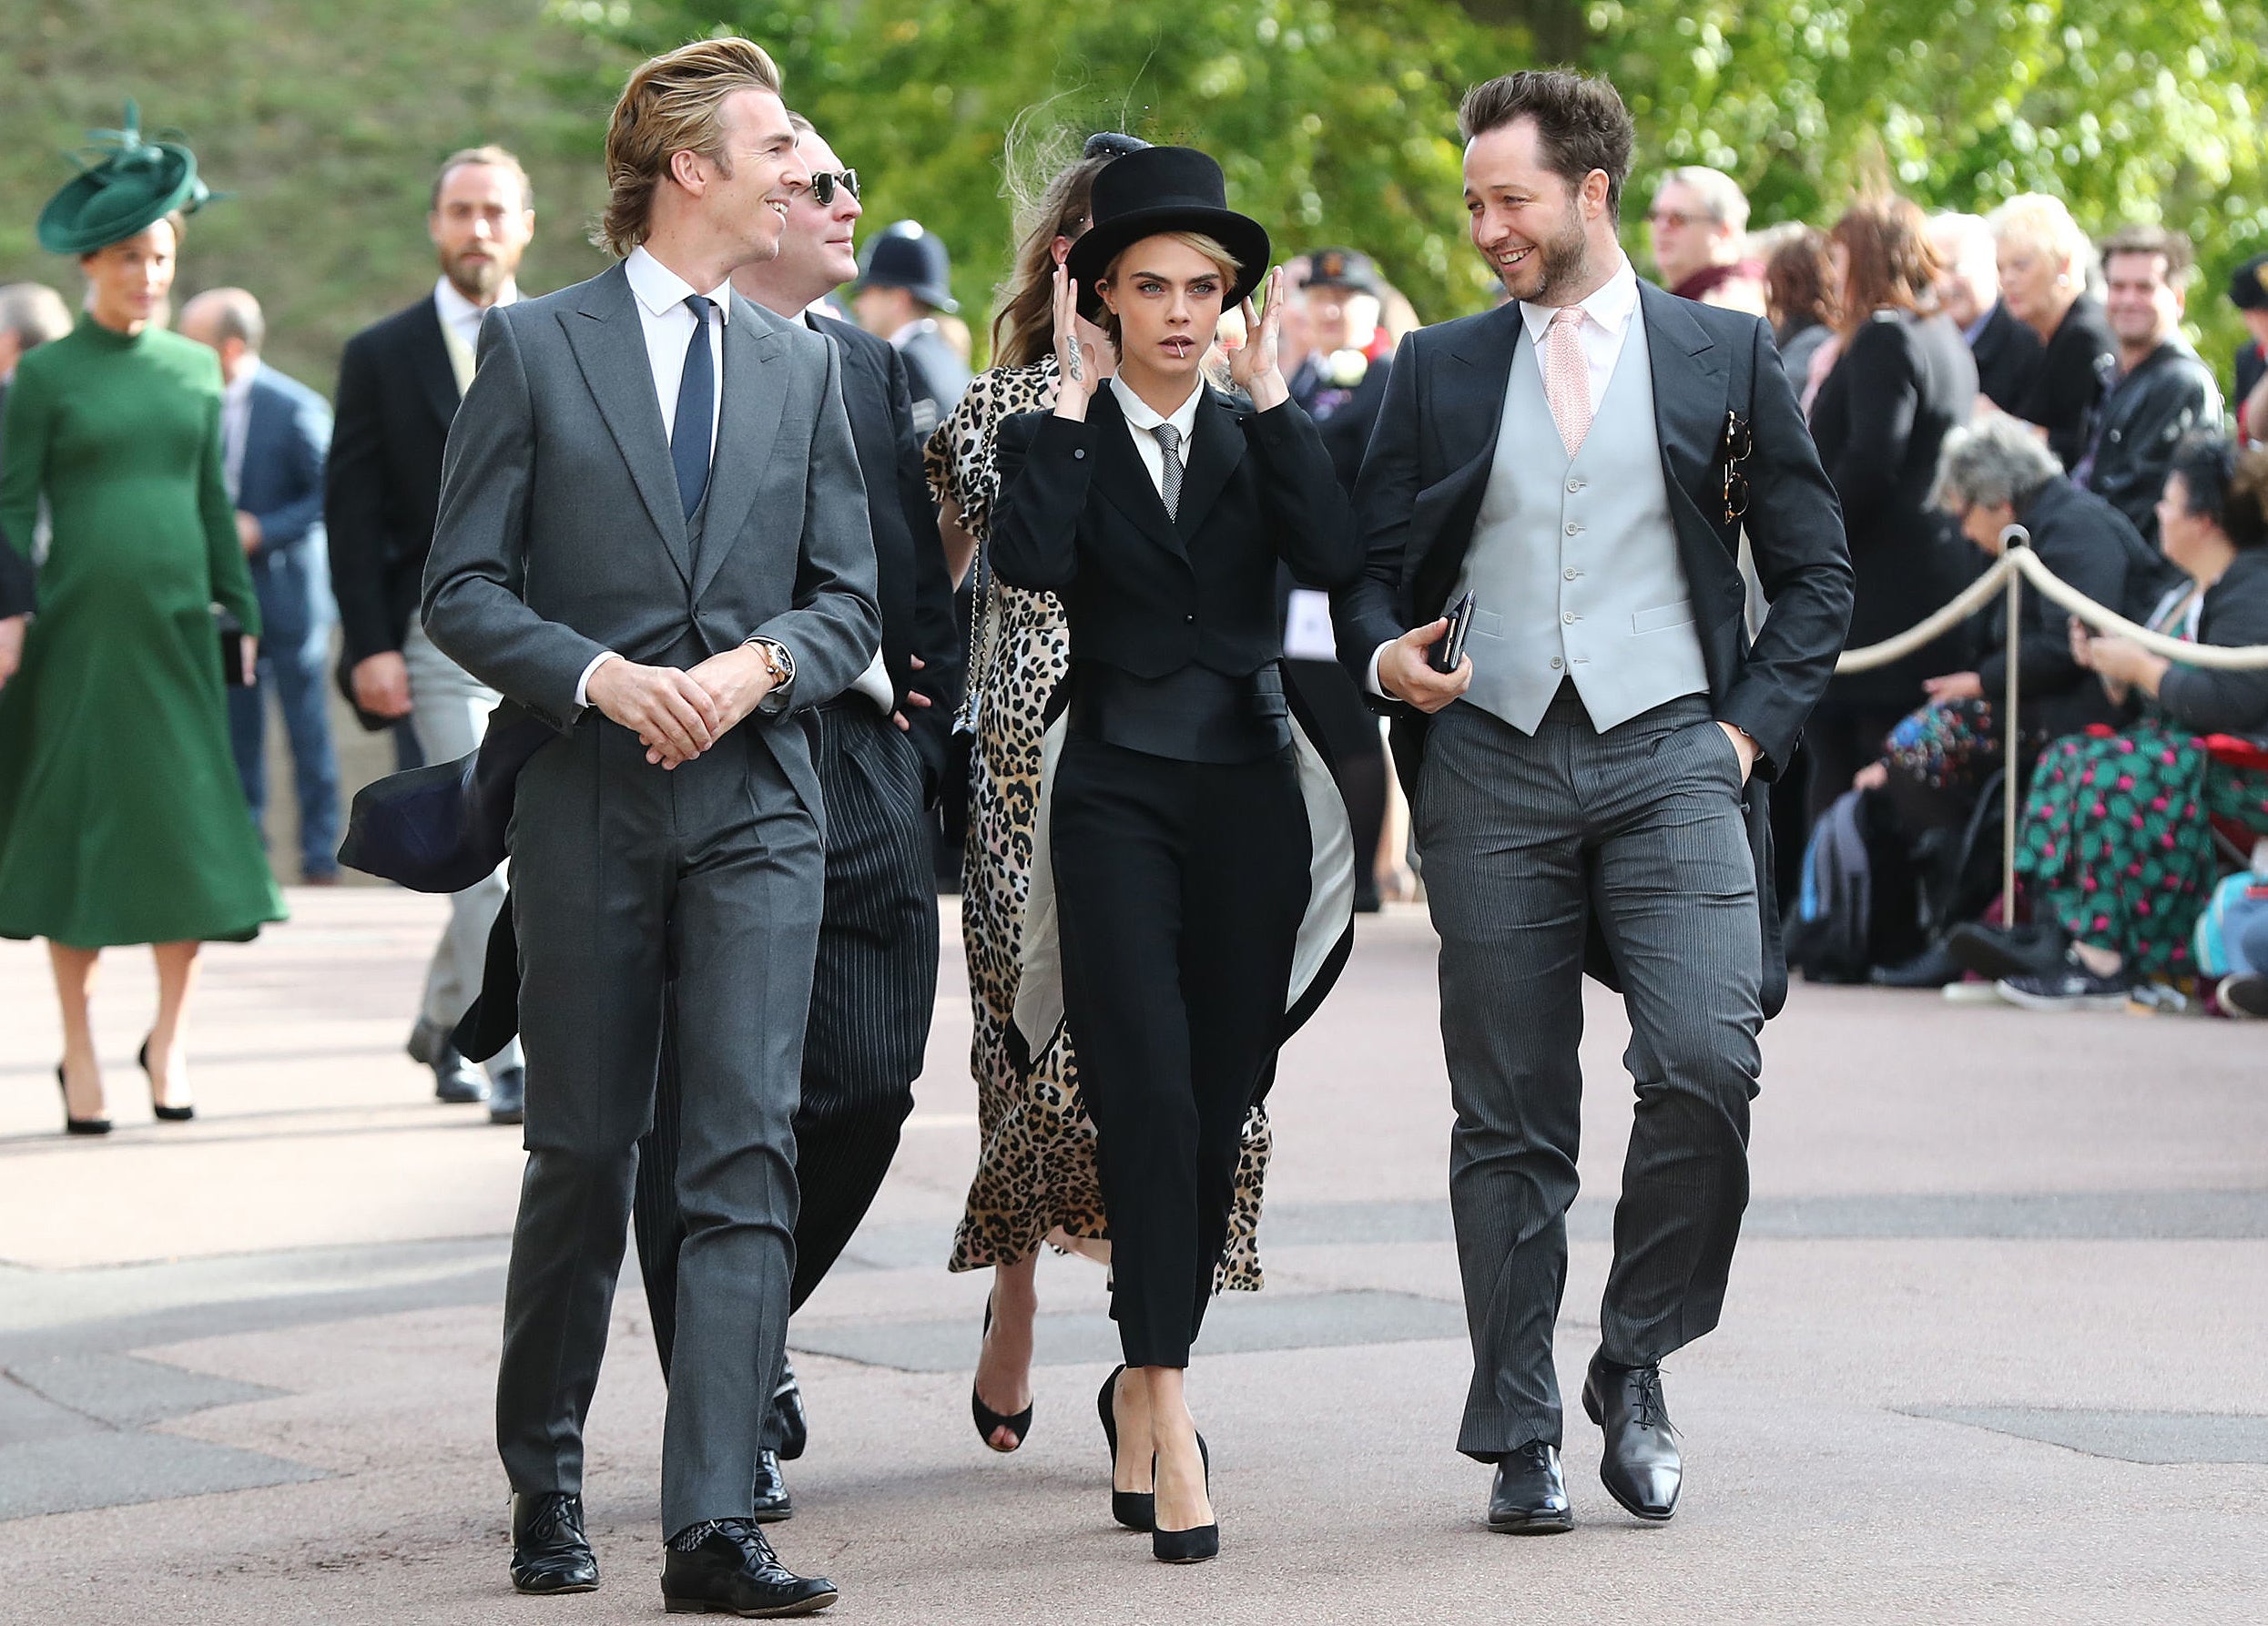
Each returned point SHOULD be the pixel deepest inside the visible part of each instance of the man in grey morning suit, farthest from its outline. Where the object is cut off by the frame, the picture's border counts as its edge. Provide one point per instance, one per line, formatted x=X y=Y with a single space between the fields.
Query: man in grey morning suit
x=652 y=536
x=1582 y=460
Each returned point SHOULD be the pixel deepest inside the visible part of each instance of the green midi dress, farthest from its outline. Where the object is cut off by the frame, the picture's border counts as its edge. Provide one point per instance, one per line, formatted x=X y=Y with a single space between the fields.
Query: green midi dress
x=121 y=817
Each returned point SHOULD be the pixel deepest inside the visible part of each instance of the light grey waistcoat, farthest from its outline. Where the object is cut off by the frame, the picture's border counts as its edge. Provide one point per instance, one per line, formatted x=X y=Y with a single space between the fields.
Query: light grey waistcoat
x=1573 y=567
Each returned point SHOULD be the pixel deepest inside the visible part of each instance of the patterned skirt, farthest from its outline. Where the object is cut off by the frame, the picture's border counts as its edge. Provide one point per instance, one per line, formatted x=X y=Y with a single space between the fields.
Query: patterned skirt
x=1036 y=1173
x=2117 y=839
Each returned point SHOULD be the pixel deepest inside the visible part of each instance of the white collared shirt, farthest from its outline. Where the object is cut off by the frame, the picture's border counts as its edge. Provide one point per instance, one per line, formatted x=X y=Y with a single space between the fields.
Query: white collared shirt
x=1143 y=423
x=460 y=323
x=667 y=319
x=236 y=424
x=1610 y=310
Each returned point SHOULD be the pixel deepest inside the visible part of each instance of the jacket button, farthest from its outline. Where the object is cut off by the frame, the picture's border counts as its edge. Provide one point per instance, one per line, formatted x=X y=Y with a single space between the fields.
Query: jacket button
x=1189 y=618
x=1078 y=453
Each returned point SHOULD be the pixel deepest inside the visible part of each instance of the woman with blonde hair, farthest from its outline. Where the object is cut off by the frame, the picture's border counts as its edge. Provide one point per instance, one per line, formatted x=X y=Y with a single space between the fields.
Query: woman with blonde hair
x=2046 y=267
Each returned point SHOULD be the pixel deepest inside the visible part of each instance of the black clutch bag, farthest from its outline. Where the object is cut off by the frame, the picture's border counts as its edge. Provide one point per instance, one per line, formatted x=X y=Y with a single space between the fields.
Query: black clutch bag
x=231 y=633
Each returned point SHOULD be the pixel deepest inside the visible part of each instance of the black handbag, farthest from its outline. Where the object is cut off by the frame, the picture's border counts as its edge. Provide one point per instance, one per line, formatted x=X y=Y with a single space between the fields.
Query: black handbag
x=231 y=633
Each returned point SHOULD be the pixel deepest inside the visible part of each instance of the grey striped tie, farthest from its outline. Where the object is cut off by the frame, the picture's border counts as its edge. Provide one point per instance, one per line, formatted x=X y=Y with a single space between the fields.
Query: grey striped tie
x=1169 y=452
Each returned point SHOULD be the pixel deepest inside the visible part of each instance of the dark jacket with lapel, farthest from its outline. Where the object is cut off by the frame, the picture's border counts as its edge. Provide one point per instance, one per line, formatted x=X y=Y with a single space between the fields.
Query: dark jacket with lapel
x=2008 y=358
x=915 y=590
x=281 y=486
x=1429 y=466
x=397 y=396
x=1078 y=516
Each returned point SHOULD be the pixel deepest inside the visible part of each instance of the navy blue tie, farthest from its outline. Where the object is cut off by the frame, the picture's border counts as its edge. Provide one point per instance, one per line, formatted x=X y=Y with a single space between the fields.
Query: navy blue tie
x=697 y=405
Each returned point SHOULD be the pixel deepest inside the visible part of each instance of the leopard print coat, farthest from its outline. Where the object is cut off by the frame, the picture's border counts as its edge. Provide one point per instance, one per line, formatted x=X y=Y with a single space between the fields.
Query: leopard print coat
x=1035 y=1167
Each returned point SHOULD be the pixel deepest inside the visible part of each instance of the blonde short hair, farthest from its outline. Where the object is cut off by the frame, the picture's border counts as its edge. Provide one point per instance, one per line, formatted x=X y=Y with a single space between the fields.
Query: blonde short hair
x=1210 y=246
x=2036 y=221
x=674 y=103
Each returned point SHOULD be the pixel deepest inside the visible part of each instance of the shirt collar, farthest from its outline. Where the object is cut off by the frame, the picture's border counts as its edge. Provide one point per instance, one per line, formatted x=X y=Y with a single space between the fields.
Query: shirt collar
x=455 y=308
x=659 y=287
x=1184 y=418
x=240 y=390
x=1610 y=305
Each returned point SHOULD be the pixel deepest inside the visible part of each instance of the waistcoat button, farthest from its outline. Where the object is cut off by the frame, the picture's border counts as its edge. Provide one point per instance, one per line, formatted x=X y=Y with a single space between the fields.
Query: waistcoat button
x=1573 y=529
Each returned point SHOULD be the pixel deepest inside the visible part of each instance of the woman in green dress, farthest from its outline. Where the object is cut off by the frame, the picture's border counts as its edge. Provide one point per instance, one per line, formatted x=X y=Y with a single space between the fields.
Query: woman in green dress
x=121 y=818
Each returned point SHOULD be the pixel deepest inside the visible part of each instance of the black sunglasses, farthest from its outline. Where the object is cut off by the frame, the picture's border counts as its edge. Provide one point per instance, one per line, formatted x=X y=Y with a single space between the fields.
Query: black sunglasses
x=824 y=181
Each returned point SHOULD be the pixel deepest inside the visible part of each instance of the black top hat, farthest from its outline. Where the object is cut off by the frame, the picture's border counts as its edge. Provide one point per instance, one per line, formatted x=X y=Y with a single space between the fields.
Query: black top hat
x=1341 y=268
x=1160 y=189
x=2248 y=284
x=906 y=255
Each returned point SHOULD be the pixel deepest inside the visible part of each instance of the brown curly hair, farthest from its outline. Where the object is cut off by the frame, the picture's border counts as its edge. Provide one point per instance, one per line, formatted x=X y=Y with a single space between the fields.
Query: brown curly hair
x=674 y=103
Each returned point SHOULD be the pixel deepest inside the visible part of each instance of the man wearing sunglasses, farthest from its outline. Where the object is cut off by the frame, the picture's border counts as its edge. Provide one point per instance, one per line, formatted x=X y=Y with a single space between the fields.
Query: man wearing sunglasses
x=880 y=749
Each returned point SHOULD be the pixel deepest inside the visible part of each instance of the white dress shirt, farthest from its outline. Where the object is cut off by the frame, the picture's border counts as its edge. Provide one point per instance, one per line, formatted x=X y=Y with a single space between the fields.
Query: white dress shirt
x=236 y=424
x=1143 y=423
x=460 y=325
x=1608 y=312
x=660 y=295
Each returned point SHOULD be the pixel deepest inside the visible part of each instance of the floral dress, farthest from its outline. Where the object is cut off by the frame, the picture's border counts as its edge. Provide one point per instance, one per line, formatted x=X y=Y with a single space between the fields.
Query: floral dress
x=2117 y=837
x=1035 y=1177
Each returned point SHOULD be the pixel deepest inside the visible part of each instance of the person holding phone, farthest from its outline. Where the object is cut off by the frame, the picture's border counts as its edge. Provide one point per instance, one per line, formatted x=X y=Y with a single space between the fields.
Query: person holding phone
x=1181 y=828
x=121 y=817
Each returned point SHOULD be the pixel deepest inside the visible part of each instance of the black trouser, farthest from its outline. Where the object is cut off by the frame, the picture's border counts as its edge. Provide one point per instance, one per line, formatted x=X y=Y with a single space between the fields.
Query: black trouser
x=1180 y=887
x=873 y=989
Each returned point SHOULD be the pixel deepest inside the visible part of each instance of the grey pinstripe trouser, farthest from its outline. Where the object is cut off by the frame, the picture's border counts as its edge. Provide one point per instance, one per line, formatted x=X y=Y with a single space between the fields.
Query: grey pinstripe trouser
x=1523 y=838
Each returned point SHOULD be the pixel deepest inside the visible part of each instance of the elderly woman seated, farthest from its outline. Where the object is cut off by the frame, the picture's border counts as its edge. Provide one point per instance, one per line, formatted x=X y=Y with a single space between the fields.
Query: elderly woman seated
x=2116 y=845
x=1993 y=475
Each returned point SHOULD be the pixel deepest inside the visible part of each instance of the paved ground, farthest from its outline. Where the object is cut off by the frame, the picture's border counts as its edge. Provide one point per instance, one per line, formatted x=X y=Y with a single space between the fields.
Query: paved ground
x=1996 y=1347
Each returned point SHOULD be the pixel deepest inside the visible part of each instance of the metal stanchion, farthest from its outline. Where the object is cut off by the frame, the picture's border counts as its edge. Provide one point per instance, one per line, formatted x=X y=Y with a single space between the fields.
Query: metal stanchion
x=2015 y=536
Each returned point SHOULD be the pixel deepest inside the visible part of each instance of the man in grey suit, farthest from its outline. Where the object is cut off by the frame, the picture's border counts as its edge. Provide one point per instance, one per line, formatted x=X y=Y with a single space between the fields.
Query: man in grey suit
x=652 y=536
x=1581 y=460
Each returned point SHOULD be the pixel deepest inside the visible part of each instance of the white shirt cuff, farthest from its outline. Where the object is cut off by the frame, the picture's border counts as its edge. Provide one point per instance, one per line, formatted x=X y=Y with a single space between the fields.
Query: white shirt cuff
x=874 y=683
x=1370 y=676
x=583 y=684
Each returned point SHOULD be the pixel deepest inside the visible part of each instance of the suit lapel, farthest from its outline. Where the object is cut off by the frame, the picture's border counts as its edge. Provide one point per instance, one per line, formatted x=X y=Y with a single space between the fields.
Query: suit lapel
x=1123 y=480
x=1689 y=397
x=1469 y=394
x=429 y=359
x=609 y=344
x=746 y=431
x=1216 y=447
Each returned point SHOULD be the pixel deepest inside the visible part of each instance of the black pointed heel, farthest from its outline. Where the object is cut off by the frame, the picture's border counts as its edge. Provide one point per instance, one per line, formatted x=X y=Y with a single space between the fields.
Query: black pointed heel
x=77 y=1125
x=1190 y=1546
x=166 y=1114
x=989 y=1421
x=1137 y=1509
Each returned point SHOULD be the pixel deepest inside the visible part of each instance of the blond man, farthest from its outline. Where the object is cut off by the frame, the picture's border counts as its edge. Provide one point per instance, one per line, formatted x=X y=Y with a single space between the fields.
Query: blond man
x=653 y=537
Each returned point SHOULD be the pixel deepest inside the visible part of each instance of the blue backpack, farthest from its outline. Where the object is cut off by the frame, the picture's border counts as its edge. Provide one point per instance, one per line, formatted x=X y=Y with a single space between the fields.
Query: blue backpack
x=2232 y=935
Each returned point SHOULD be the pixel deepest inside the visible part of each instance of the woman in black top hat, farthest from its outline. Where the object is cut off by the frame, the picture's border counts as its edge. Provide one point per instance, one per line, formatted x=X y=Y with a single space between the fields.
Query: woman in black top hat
x=1181 y=830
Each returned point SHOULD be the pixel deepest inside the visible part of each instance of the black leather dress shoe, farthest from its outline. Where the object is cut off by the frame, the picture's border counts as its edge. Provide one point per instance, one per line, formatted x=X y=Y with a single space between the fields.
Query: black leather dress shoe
x=1995 y=951
x=731 y=1569
x=1934 y=967
x=1530 y=1496
x=1642 y=1469
x=549 y=1553
x=508 y=1096
x=791 y=1429
x=773 y=1504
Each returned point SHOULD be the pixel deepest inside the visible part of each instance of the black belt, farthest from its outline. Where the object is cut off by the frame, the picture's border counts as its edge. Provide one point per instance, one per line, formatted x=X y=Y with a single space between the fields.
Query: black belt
x=1191 y=714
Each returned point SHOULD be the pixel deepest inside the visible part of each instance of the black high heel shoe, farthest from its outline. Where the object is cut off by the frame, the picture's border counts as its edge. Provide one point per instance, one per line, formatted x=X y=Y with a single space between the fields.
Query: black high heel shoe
x=1137 y=1509
x=988 y=1421
x=1193 y=1546
x=166 y=1114
x=77 y=1125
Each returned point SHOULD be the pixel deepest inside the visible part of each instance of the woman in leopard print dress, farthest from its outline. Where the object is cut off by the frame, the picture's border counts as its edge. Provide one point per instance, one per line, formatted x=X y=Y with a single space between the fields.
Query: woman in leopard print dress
x=1035 y=1180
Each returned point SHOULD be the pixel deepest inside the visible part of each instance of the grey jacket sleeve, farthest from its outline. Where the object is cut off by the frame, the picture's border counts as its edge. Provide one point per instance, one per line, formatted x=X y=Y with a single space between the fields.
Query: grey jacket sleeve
x=834 y=627
x=473 y=577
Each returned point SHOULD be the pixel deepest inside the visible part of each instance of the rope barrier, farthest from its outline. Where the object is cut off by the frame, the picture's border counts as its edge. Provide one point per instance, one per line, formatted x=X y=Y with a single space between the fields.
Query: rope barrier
x=2022 y=560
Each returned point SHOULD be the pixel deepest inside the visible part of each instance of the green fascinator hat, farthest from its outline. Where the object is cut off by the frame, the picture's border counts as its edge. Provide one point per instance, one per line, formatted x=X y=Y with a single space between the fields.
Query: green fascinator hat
x=124 y=185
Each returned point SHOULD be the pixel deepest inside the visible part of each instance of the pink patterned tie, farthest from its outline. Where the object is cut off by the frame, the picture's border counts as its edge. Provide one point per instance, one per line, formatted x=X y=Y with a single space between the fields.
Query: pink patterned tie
x=1567 y=377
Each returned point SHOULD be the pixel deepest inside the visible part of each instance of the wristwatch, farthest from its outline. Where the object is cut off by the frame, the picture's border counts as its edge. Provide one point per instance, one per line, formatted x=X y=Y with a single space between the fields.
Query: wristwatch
x=781 y=664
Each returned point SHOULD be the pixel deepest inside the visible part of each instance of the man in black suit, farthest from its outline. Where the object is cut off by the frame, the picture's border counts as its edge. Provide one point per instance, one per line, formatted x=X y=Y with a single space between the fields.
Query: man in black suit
x=880 y=749
x=399 y=381
x=30 y=315
x=1583 y=461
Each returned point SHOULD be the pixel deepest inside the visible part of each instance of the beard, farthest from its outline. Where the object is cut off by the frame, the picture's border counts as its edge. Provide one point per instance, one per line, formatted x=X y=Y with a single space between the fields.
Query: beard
x=478 y=280
x=1558 y=265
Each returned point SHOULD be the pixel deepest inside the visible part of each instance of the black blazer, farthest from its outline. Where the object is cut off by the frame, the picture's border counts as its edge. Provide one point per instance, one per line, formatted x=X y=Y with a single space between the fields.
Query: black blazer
x=381 y=488
x=2008 y=358
x=17 y=589
x=1903 y=381
x=1429 y=466
x=912 y=586
x=2235 y=614
x=1078 y=516
x=2075 y=371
